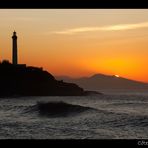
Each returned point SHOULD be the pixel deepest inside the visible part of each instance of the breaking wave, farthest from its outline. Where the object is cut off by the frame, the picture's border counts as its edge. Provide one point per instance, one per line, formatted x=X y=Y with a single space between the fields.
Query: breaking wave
x=56 y=109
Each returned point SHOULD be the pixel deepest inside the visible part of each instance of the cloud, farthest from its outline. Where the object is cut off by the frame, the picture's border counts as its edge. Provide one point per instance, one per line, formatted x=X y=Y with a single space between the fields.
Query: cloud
x=119 y=27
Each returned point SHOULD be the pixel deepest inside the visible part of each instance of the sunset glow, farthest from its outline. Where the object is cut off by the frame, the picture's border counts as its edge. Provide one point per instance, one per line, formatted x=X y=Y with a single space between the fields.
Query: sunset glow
x=77 y=42
x=117 y=76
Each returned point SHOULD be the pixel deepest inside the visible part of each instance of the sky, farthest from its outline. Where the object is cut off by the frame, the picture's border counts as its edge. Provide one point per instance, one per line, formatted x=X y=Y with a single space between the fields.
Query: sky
x=79 y=42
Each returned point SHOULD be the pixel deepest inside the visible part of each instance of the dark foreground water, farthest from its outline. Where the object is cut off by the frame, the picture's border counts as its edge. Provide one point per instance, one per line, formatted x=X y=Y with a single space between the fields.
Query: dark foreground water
x=117 y=116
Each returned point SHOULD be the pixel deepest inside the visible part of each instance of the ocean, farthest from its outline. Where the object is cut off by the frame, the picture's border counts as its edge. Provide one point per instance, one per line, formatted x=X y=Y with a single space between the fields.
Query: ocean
x=111 y=116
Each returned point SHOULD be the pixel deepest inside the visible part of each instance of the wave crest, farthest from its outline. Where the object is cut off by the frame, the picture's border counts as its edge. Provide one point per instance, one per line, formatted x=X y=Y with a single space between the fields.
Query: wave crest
x=57 y=109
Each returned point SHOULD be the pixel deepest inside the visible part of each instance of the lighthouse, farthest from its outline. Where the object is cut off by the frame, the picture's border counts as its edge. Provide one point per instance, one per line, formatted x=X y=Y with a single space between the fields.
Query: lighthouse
x=14 y=49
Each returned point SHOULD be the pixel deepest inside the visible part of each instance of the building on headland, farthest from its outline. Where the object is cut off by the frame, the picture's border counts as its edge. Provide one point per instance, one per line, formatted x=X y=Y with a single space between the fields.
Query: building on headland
x=21 y=80
x=14 y=49
x=15 y=57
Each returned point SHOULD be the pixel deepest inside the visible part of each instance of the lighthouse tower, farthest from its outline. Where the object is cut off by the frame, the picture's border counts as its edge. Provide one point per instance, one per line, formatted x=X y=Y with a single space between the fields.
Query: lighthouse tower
x=14 y=48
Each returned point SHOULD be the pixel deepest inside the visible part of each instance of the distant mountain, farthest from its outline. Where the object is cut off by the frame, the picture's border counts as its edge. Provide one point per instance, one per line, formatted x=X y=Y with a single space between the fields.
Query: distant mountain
x=101 y=81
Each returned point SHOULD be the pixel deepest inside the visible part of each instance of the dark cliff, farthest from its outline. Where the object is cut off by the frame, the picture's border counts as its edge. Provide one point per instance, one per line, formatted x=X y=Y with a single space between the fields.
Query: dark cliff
x=22 y=80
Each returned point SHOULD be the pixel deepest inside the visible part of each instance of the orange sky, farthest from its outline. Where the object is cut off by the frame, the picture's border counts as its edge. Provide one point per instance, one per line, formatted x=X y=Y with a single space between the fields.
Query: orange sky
x=79 y=42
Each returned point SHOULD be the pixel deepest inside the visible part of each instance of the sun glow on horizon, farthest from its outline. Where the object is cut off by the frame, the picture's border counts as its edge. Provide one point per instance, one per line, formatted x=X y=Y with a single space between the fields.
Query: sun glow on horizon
x=117 y=76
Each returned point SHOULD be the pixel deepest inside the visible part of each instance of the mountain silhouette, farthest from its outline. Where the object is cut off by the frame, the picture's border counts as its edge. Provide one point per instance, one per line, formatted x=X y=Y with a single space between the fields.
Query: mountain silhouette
x=101 y=81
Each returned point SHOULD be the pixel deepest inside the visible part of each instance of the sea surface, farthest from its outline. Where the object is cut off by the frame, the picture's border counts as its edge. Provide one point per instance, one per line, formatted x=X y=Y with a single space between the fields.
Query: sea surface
x=112 y=116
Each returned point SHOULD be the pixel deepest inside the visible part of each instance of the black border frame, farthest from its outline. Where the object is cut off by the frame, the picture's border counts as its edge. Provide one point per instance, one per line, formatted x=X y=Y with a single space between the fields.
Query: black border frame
x=73 y=4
